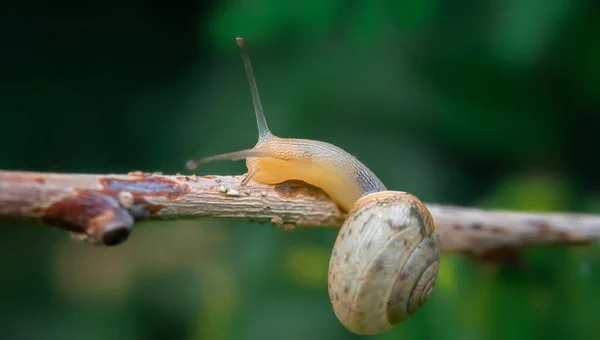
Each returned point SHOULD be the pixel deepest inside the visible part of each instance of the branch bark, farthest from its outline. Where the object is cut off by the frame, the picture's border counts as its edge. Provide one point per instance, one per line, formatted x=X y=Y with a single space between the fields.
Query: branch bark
x=103 y=209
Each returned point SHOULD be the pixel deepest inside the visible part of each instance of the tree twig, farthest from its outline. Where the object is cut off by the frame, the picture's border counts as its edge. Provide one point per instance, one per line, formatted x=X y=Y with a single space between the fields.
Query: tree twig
x=104 y=208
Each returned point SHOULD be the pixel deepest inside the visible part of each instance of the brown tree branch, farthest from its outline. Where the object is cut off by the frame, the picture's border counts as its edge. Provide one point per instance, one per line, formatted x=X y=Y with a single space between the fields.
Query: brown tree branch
x=104 y=208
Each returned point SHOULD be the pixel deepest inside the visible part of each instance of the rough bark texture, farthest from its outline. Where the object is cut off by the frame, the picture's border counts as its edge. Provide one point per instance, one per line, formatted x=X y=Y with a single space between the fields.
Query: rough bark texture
x=103 y=209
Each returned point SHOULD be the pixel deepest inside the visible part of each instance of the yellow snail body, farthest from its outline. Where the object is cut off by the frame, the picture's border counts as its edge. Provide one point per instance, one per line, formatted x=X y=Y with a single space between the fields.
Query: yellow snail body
x=385 y=260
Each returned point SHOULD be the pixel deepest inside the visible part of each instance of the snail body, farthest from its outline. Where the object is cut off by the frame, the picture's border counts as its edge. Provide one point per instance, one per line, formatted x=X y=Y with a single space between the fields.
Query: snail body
x=385 y=259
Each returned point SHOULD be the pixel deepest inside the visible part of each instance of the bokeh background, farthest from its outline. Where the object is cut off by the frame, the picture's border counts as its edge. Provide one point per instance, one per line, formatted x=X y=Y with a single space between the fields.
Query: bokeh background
x=489 y=104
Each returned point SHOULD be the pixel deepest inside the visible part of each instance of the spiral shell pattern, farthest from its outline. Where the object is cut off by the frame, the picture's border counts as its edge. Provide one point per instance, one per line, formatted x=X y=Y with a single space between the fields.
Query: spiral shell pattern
x=384 y=263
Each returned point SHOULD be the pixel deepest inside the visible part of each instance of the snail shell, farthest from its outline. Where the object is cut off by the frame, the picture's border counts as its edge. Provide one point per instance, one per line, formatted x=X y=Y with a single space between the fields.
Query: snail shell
x=384 y=263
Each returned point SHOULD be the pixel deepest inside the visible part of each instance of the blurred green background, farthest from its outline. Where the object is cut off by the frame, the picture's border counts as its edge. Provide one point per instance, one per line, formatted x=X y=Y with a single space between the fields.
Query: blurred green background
x=491 y=104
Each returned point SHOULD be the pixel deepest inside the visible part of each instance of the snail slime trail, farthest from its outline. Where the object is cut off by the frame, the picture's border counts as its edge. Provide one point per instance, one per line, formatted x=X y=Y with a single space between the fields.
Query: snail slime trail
x=386 y=257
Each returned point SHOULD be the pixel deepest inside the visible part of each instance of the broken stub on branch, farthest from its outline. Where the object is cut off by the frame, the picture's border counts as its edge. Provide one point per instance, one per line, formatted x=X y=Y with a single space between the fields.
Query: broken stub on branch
x=98 y=210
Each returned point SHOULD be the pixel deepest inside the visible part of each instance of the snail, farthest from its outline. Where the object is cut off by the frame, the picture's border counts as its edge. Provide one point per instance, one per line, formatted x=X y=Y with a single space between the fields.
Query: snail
x=385 y=260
